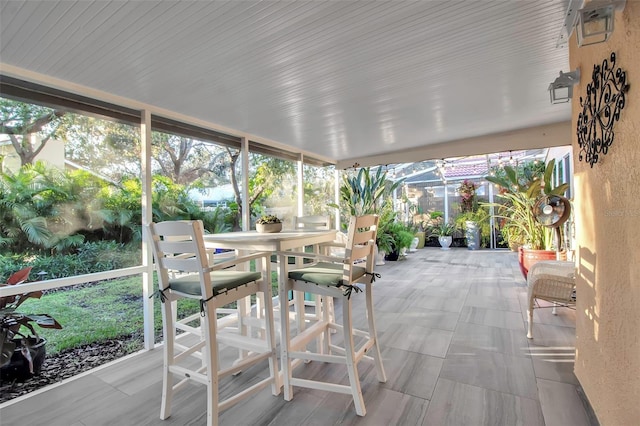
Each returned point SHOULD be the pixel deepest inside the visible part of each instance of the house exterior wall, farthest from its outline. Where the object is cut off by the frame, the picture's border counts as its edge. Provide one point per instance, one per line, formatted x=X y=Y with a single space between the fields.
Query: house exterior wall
x=608 y=234
x=52 y=153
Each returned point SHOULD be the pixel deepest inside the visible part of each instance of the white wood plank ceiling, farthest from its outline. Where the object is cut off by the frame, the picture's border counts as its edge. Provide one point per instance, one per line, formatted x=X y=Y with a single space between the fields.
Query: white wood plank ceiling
x=338 y=79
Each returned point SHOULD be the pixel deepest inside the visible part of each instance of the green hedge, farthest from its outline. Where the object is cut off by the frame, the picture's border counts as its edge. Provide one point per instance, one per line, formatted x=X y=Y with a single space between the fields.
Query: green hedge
x=90 y=257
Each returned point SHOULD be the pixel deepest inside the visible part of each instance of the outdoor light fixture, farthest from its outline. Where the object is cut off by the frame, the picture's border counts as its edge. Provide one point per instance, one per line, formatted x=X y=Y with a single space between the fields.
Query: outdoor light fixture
x=561 y=90
x=595 y=21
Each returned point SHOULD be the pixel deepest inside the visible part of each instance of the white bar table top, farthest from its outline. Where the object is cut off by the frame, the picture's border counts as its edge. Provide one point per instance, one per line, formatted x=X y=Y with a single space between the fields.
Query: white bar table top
x=276 y=241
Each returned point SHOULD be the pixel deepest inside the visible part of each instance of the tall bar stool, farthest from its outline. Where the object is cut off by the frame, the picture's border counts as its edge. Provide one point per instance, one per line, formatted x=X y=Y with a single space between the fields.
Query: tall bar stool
x=313 y=223
x=337 y=278
x=184 y=272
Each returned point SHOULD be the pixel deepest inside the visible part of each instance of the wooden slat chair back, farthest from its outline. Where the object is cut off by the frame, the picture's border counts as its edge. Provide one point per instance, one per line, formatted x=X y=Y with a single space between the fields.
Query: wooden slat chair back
x=185 y=272
x=312 y=223
x=342 y=279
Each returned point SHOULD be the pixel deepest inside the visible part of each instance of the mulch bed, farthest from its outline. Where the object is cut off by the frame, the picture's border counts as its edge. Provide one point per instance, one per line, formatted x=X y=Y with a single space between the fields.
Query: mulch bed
x=71 y=362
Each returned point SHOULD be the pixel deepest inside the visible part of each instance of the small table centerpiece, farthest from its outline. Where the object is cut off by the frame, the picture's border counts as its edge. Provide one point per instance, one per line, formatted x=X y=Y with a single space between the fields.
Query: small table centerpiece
x=268 y=224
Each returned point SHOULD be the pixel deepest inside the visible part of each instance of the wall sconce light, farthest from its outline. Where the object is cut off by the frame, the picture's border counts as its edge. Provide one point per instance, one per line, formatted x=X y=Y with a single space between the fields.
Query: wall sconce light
x=595 y=21
x=561 y=90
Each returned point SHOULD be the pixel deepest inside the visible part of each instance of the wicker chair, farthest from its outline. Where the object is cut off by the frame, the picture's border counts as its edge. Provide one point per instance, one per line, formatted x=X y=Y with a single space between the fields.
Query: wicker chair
x=553 y=281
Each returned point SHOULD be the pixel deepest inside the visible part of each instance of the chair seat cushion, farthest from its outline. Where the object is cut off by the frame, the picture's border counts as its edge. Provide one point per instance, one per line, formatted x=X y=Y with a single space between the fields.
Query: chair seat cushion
x=222 y=281
x=324 y=273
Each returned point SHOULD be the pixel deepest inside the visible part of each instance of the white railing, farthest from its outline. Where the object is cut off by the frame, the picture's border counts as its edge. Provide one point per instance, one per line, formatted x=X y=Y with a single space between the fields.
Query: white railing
x=67 y=281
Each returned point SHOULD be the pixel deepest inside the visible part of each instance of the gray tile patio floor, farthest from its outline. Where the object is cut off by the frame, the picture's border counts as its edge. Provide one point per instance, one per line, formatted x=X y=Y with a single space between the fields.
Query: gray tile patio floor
x=452 y=331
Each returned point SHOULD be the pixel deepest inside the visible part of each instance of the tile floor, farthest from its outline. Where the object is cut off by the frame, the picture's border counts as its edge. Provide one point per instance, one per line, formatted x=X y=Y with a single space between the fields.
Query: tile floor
x=452 y=332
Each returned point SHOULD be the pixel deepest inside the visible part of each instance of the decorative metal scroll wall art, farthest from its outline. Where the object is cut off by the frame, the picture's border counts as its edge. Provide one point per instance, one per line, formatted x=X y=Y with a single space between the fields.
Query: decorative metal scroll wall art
x=601 y=108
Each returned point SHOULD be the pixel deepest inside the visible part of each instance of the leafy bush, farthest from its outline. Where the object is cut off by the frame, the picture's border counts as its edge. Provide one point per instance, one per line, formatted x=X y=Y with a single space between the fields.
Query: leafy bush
x=108 y=255
x=400 y=236
x=44 y=210
x=90 y=257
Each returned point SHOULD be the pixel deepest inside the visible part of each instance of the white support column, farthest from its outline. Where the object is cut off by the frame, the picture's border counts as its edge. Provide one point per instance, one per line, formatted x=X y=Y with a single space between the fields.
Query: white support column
x=301 y=185
x=246 y=210
x=336 y=195
x=492 y=221
x=147 y=261
x=394 y=198
x=446 y=202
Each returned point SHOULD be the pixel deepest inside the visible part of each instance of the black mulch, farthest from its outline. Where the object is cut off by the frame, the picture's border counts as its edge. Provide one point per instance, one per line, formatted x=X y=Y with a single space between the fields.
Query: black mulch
x=70 y=363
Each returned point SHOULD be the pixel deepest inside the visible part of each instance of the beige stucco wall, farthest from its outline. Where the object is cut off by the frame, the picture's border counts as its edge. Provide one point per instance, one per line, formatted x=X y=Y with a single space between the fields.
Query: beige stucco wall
x=607 y=203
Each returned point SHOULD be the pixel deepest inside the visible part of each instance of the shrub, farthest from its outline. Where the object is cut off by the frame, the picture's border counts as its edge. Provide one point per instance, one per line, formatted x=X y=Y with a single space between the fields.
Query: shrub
x=90 y=257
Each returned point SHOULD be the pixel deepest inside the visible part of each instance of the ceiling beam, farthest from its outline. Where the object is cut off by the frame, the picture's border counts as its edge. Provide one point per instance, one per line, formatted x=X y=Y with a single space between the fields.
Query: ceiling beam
x=545 y=136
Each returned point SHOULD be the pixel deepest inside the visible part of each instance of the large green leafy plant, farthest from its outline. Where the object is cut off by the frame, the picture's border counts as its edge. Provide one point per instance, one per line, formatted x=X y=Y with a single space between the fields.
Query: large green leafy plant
x=443 y=229
x=364 y=192
x=368 y=192
x=521 y=227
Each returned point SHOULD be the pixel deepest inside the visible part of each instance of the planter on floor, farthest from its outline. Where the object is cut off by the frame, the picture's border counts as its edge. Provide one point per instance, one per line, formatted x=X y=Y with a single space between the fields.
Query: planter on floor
x=25 y=362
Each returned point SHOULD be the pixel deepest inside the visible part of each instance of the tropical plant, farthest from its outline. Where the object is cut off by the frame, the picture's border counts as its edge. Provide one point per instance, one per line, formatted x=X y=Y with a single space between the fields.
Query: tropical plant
x=526 y=171
x=46 y=210
x=394 y=236
x=481 y=218
x=387 y=216
x=433 y=219
x=365 y=192
x=416 y=218
x=13 y=323
x=521 y=227
x=443 y=229
x=468 y=199
x=42 y=208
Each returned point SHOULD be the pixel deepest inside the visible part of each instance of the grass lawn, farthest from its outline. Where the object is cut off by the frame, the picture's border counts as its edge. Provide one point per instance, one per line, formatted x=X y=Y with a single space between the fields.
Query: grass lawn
x=103 y=311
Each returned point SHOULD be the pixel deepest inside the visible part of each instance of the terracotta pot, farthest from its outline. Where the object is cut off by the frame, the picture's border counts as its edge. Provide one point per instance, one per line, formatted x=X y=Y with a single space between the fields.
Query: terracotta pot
x=527 y=257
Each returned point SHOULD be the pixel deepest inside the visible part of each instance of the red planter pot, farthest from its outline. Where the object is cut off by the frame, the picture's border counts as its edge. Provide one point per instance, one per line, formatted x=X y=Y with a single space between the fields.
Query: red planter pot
x=527 y=258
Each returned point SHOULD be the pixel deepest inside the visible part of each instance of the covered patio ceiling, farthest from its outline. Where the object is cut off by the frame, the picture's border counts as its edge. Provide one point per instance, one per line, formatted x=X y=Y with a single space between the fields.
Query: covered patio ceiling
x=349 y=82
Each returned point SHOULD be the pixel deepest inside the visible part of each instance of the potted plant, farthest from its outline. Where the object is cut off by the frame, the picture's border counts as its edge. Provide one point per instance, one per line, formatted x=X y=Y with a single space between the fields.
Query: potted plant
x=444 y=231
x=397 y=236
x=419 y=221
x=365 y=192
x=476 y=227
x=384 y=239
x=22 y=351
x=534 y=241
x=368 y=193
x=468 y=208
x=468 y=199
x=268 y=224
